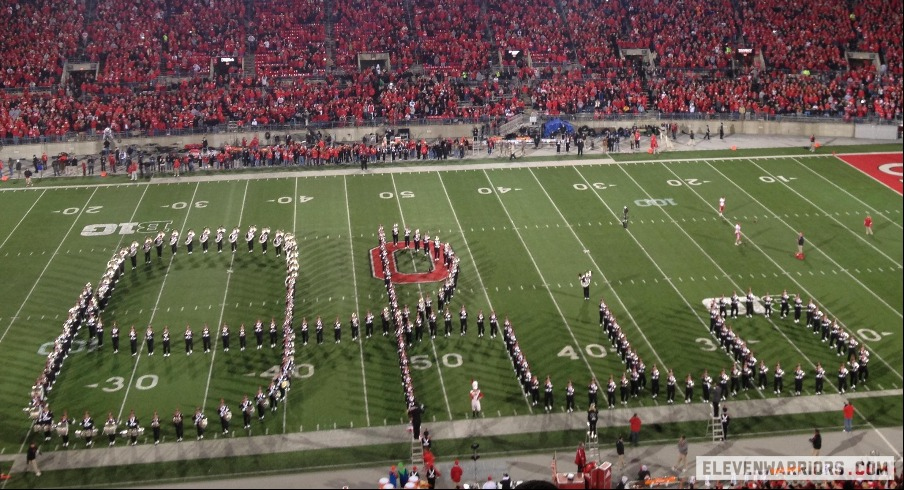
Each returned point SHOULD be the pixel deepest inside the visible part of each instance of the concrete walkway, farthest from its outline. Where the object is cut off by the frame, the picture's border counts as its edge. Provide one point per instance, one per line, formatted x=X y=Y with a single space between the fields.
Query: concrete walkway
x=78 y=457
x=659 y=456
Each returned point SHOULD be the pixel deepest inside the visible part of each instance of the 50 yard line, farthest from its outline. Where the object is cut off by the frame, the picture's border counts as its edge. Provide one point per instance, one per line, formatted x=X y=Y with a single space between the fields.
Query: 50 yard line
x=351 y=249
x=125 y=398
x=223 y=309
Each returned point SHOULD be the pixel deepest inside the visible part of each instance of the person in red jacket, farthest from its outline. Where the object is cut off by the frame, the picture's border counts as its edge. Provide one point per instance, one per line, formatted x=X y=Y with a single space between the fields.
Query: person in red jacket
x=868 y=224
x=848 y=411
x=635 y=429
x=456 y=473
x=580 y=458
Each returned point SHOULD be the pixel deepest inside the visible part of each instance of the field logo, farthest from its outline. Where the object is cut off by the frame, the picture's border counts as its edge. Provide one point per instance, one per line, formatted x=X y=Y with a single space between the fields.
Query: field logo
x=439 y=272
x=105 y=229
x=887 y=168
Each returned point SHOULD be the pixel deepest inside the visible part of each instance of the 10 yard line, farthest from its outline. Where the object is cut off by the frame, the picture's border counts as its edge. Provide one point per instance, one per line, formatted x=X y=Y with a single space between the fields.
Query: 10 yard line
x=154 y=310
x=223 y=309
x=351 y=249
x=432 y=343
x=542 y=278
x=23 y=218
x=47 y=266
x=476 y=271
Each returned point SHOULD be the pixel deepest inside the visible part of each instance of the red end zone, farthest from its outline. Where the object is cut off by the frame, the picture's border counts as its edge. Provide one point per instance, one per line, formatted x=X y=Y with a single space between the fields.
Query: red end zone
x=887 y=168
x=439 y=272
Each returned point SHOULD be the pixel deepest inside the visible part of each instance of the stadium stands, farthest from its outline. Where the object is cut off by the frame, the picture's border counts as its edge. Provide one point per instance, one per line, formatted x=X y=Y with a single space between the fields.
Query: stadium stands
x=447 y=61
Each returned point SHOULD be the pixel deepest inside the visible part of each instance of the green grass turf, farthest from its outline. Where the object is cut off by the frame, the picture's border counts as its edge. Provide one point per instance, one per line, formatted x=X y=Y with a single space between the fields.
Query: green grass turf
x=522 y=234
x=882 y=412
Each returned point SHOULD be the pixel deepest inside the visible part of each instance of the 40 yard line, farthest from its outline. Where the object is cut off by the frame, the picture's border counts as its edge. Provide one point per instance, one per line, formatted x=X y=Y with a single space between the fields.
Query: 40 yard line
x=223 y=309
x=125 y=398
x=351 y=249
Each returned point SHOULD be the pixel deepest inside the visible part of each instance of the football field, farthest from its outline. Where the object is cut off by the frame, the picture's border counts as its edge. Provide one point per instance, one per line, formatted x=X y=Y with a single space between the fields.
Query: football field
x=523 y=236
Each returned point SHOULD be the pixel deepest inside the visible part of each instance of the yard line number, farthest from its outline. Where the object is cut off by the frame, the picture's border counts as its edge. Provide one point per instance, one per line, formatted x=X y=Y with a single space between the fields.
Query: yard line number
x=592 y=350
x=116 y=383
x=596 y=185
x=301 y=371
x=422 y=362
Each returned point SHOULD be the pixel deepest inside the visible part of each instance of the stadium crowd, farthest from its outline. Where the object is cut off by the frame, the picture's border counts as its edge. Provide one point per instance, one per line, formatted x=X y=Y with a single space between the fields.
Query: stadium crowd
x=305 y=62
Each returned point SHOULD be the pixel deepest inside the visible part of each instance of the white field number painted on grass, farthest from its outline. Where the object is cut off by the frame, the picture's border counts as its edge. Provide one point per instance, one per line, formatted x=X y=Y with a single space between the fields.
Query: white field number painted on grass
x=450 y=360
x=644 y=203
x=681 y=182
x=489 y=190
x=768 y=179
x=592 y=350
x=869 y=335
x=390 y=195
x=76 y=347
x=706 y=344
x=183 y=204
x=596 y=185
x=116 y=383
x=288 y=200
x=88 y=210
x=301 y=371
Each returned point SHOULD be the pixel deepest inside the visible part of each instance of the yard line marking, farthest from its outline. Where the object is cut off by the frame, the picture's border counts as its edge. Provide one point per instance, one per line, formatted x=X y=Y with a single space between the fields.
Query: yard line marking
x=23 y=218
x=216 y=329
x=439 y=369
x=351 y=250
x=593 y=261
x=543 y=278
x=474 y=263
x=46 y=266
x=802 y=288
x=125 y=397
x=873 y=293
x=859 y=236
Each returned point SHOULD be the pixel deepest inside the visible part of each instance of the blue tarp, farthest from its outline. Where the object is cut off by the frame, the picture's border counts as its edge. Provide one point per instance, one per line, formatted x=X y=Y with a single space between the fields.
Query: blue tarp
x=554 y=125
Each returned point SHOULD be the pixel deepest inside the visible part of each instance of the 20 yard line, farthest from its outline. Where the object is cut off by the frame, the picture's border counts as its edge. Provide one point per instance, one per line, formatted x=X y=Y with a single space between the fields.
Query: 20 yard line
x=432 y=344
x=542 y=278
x=125 y=398
x=23 y=218
x=223 y=309
x=47 y=266
x=476 y=271
x=779 y=267
x=351 y=249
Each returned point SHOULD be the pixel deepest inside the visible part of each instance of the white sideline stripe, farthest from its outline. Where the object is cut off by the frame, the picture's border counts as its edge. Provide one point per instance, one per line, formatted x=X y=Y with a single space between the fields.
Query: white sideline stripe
x=46 y=266
x=216 y=329
x=351 y=250
x=596 y=266
x=542 y=278
x=859 y=236
x=125 y=397
x=476 y=271
x=770 y=259
x=23 y=218
x=436 y=360
x=842 y=189
x=838 y=156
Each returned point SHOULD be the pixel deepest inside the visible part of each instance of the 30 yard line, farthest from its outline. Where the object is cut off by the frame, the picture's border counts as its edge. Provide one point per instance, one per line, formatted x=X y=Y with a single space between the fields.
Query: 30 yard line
x=46 y=266
x=476 y=271
x=223 y=309
x=125 y=398
x=842 y=189
x=542 y=278
x=23 y=218
x=829 y=215
x=351 y=249
x=439 y=369
x=779 y=267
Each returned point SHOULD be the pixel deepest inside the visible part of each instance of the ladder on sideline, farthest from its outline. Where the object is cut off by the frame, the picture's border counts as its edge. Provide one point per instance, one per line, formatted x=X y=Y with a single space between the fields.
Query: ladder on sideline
x=592 y=449
x=417 y=453
x=716 y=423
